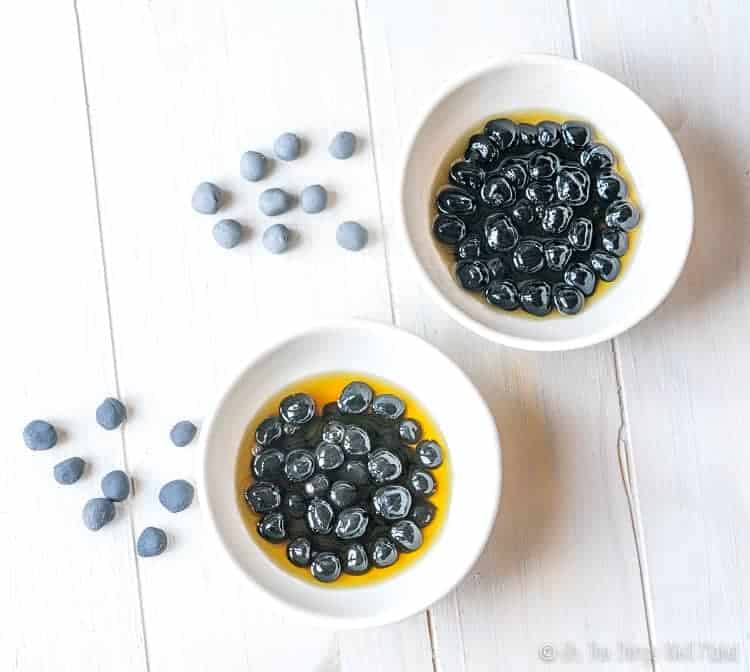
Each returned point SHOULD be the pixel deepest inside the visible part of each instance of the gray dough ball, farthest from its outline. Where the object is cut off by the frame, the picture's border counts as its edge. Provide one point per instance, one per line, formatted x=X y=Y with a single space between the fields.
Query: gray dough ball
x=274 y=202
x=253 y=166
x=287 y=147
x=68 y=471
x=343 y=145
x=116 y=486
x=227 y=232
x=206 y=198
x=313 y=199
x=111 y=413
x=98 y=512
x=176 y=496
x=152 y=541
x=39 y=435
x=351 y=236
x=276 y=238
x=183 y=433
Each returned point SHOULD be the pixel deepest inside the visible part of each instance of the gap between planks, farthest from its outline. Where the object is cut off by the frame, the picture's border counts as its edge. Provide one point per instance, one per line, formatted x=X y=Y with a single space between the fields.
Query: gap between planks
x=108 y=304
x=624 y=444
x=631 y=492
x=371 y=130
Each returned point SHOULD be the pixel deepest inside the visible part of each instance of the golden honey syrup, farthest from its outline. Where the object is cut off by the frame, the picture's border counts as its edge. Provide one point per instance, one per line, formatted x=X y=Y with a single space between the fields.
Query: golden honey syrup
x=456 y=153
x=325 y=388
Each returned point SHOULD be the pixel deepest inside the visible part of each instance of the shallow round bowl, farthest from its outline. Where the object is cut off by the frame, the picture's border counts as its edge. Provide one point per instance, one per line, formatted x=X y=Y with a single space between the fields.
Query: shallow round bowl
x=474 y=460
x=641 y=142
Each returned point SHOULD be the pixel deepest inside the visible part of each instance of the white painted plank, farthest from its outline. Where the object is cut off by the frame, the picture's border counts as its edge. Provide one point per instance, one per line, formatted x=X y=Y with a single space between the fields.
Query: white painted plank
x=685 y=369
x=561 y=565
x=69 y=596
x=403 y=646
x=178 y=92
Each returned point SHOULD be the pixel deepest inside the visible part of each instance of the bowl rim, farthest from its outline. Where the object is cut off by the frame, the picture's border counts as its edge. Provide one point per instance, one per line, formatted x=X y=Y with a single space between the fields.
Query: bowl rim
x=210 y=516
x=526 y=343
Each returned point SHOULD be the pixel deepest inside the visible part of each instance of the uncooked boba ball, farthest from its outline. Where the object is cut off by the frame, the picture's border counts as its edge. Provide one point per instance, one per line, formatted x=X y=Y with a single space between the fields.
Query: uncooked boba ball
x=313 y=199
x=351 y=236
x=116 y=486
x=176 y=496
x=98 y=512
x=227 y=233
x=343 y=145
x=287 y=147
x=274 y=202
x=253 y=166
x=276 y=238
x=151 y=542
x=183 y=433
x=69 y=471
x=111 y=413
x=206 y=198
x=39 y=435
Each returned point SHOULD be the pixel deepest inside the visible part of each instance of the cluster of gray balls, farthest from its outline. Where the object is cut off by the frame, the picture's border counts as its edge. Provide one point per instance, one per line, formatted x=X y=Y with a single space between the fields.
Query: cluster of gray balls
x=175 y=496
x=208 y=198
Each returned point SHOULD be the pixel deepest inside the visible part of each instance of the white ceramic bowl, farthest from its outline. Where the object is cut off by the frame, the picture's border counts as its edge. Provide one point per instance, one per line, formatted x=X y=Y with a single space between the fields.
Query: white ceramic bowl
x=447 y=394
x=639 y=138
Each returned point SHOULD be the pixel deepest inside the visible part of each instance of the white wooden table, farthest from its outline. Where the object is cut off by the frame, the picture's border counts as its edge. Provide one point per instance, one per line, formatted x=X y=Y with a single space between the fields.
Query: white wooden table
x=624 y=522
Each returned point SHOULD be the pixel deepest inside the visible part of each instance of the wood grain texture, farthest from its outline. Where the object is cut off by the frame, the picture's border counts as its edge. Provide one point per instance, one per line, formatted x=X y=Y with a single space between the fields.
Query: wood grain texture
x=69 y=596
x=207 y=82
x=562 y=552
x=684 y=369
